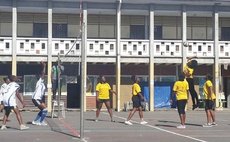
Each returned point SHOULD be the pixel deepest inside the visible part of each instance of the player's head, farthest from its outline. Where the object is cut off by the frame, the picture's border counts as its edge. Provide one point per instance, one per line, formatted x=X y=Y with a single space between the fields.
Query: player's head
x=102 y=78
x=37 y=76
x=135 y=78
x=56 y=63
x=181 y=77
x=6 y=80
x=13 y=78
x=192 y=64
x=208 y=77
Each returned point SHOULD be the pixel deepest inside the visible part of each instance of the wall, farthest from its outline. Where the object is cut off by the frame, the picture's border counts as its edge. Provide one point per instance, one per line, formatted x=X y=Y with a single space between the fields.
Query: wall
x=125 y=96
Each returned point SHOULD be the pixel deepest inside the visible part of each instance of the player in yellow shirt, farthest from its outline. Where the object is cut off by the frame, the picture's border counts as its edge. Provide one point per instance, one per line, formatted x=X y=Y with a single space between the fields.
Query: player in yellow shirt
x=210 y=98
x=188 y=72
x=181 y=88
x=136 y=98
x=103 y=91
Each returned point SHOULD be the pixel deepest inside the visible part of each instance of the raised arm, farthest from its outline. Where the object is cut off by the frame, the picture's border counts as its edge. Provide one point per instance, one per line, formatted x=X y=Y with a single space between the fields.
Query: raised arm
x=43 y=71
x=61 y=67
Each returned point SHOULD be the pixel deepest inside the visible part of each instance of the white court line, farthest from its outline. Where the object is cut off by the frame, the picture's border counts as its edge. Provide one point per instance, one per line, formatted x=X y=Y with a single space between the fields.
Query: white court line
x=163 y=130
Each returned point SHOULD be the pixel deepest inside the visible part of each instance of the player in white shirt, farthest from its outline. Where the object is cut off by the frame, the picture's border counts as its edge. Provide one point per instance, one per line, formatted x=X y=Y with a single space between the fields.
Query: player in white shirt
x=3 y=91
x=9 y=101
x=38 y=98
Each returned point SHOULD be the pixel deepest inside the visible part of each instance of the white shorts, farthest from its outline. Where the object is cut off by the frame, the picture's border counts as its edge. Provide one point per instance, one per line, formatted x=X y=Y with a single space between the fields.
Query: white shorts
x=12 y=102
x=1 y=98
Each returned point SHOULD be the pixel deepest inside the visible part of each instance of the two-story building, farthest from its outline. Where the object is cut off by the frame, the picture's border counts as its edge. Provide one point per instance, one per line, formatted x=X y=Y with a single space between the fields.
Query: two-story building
x=148 y=38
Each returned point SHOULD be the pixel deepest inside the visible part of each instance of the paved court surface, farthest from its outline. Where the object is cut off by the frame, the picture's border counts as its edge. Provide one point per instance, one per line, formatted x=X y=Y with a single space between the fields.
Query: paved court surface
x=161 y=128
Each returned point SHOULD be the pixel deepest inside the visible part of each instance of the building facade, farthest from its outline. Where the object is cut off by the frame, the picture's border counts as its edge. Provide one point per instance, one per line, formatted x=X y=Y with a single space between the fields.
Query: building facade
x=149 y=38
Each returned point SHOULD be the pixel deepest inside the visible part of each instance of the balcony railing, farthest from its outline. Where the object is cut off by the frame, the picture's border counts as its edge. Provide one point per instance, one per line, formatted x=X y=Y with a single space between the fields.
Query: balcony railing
x=5 y=46
x=200 y=48
x=107 y=47
x=135 y=48
x=101 y=47
x=64 y=46
x=224 y=48
x=167 y=48
x=32 y=46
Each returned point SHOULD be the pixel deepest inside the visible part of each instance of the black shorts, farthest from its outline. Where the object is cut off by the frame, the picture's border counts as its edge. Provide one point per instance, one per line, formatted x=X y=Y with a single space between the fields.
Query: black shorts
x=103 y=100
x=8 y=109
x=136 y=101
x=210 y=104
x=181 y=106
x=37 y=102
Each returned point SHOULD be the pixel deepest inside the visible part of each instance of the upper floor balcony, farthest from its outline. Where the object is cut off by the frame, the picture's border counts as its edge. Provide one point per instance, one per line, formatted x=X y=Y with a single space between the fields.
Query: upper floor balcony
x=107 y=48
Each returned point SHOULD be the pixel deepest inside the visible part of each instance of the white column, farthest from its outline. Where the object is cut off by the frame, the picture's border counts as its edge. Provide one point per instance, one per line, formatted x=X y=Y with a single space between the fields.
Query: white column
x=83 y=68
x=216 y=52
x=184 y=36
x=151 y=58
x=14 y=38
x=84 y=55
x=118 y=62
x=49 y=50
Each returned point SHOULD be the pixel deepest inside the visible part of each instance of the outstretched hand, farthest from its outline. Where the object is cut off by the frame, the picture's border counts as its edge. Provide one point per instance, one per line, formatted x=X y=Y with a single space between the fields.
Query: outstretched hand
x=43 y=63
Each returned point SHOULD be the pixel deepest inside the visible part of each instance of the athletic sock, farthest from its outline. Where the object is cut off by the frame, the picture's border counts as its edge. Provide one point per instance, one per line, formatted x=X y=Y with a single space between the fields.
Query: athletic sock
x=38 y=116
x=44 y=113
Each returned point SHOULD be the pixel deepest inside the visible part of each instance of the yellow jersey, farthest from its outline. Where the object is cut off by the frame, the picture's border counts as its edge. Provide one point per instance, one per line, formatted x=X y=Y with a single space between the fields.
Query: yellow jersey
x=188 y=71
x=136 y=89
x=181 y=88
x=103 y=90
x=207 y=85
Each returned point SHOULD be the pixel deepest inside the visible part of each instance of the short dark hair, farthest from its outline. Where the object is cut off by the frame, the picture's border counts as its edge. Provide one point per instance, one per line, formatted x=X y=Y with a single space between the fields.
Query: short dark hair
x=12 y=78
x=133 y=78
x=209 y=77
x=5 y=79
x=181 y=77
x=193 y=64
x=100 y=78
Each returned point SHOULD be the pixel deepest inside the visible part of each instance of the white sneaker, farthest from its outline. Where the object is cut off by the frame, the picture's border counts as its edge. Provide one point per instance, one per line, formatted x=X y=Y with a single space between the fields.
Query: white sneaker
x=181 y=127
x=43 y=123
x=143 y=122
x=96 y=120
x=207 y=125
x=214 y=124
x=23 y=127
x=128 y=123
x=35 y=123
x=3 y=127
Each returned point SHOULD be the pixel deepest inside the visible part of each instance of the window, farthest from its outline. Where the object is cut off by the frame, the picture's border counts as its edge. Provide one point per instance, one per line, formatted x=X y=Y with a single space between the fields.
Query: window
x=137 y=31
x=158 y=32
x=59 y=30
x=43 y=45
x=225 y=33
x=77 y=46
x=32 y=46
x=40 y=30
x=7 y=45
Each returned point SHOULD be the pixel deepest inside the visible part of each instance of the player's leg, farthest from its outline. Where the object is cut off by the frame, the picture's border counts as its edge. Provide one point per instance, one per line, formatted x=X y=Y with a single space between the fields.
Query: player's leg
x=99 y=106
x=108 y=106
